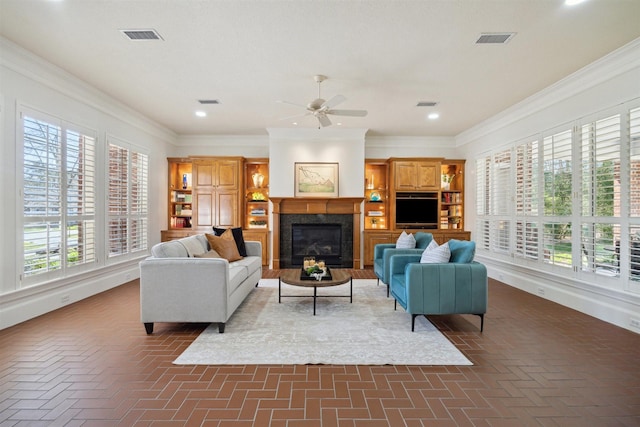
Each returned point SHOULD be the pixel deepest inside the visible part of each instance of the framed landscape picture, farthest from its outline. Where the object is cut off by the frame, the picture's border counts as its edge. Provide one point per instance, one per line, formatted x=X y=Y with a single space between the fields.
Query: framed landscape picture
x=316 y=180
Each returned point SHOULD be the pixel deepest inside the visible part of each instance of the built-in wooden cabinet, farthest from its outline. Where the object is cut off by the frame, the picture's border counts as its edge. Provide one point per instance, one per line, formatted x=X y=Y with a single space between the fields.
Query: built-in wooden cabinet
x=416 y=175
x=424 y=194
x=256 y=197
x=376 y=194
x=452 y=195
x=256 y=203
x=216 y=192
x=180 y=200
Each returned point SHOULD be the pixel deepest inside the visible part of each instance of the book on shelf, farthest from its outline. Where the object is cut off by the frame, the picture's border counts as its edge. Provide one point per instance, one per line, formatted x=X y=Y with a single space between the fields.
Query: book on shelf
x=376 y=213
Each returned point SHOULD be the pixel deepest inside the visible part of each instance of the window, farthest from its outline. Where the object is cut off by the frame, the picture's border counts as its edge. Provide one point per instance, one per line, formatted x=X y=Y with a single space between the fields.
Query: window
x=576 y=200
x=558 y=198
x=600 y=230
x=59 y=235
x=127 y=201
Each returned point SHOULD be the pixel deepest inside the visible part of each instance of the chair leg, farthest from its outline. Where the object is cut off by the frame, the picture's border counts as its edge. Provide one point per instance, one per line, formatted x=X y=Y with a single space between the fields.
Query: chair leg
x=221 y=328
x=395 y=304
x=388 y=290
x=413 y=321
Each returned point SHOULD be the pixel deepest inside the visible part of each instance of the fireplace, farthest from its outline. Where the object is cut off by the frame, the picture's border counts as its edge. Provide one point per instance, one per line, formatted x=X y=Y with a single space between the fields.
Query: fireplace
x=322 y=241
x=326 y=237
x=316 y=217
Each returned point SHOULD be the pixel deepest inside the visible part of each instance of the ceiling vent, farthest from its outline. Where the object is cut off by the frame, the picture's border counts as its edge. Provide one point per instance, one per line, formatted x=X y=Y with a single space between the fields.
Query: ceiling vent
x=426 y=104
x=208 y=101
x=137 y=35
x=494 y=38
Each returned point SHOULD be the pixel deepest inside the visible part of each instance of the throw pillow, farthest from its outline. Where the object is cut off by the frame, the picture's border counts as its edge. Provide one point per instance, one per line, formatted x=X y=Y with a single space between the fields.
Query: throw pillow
x=435 y=254
x=237 y=236
x=406 y=241
x=209 y=254
x=224 y=246
x=462 y=251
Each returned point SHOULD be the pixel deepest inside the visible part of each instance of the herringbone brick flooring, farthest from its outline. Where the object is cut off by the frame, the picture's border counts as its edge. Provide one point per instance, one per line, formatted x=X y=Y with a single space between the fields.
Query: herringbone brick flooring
x=536 y=364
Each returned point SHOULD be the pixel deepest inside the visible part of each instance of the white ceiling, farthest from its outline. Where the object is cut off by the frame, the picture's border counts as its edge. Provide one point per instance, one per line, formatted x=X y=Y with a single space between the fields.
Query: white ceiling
x=384 y=56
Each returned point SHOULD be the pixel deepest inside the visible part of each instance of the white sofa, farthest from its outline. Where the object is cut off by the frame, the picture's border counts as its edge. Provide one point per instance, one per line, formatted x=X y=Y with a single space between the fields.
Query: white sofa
x=176 y=286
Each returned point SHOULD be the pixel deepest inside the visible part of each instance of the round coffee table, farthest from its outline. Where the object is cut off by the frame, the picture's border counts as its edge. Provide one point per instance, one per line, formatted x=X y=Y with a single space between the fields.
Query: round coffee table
x=292 y=277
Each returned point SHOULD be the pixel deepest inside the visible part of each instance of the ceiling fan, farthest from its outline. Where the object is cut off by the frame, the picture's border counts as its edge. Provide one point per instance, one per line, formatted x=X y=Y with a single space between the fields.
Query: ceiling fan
x=321 y=108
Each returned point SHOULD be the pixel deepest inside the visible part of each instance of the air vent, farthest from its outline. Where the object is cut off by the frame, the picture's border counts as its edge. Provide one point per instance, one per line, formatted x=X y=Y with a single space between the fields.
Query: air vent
x=426 y=104
x=137 y=35
x=494 y=38
x=208 y=101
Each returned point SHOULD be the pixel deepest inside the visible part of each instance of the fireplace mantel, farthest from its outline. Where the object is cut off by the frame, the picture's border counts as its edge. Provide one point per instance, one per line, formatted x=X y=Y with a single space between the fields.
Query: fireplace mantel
x=312 y=206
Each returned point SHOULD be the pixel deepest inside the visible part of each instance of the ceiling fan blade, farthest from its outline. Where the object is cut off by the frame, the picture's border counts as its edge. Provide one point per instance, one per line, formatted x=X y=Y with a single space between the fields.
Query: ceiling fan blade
x=333 y=102
x=353 y=113
x=324 y=120
x=292 y=103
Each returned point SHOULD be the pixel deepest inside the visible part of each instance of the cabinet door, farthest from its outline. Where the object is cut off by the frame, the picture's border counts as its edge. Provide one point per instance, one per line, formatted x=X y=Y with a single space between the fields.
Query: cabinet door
x=227 y=209
x=405 y=176
x=203 y=192
x=204 y=207
x=371 y=240
x=227 y=175
x=428 y=176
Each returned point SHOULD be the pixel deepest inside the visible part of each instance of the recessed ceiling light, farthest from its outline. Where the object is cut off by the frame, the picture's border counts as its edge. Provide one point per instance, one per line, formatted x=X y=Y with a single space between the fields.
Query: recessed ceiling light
x=433 y=116
x=201 y=113
x=573 y=2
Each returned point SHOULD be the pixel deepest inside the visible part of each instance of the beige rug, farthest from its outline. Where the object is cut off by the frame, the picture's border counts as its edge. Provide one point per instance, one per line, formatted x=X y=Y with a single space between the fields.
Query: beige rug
x=366 y=332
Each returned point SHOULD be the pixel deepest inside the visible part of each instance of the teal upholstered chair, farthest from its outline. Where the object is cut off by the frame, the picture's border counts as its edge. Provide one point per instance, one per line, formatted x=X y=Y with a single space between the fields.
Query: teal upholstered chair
x=446 y=288
x=382 y=255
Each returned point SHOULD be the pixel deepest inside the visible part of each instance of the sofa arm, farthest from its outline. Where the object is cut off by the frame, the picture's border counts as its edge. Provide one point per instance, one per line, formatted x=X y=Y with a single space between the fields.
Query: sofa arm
x=398 y=262
x=253 y=248
x=184 y=289
x=446 y=288
x=379 y=249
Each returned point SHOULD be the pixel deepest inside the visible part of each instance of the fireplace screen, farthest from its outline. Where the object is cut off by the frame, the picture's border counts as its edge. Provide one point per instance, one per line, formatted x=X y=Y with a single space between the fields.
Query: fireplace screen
x=323 y=241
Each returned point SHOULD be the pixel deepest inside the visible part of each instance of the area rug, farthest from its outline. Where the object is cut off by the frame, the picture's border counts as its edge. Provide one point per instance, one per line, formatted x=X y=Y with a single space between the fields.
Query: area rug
x=366 y=332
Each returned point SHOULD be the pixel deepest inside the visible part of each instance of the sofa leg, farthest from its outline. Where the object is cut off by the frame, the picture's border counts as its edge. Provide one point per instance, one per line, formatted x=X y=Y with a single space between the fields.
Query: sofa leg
x=395 y=304
x=388 y=291
x=149 y=328
x=257 y=284
x=221 y=328
x=481 y=322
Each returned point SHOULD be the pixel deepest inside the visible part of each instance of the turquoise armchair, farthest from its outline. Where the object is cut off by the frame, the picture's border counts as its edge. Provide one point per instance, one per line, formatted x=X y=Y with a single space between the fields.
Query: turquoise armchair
x=448 y=288
x=382 y=253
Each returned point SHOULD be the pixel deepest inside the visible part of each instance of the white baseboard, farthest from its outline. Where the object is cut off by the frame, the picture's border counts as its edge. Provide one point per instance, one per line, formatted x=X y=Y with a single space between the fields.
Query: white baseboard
x=35 y=301
x=612 y=306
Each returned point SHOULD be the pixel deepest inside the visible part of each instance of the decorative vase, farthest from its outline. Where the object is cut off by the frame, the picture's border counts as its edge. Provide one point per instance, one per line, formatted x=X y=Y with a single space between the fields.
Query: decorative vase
x=446 y=186
x=258 y=179
x=184 y=181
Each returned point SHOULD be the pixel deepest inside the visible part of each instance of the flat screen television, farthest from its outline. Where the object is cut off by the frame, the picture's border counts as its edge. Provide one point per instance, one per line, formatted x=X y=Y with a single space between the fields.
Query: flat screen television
x=417 y=210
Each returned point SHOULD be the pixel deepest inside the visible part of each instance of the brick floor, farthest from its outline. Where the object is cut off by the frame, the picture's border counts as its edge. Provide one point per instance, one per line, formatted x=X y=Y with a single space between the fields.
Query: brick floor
x=536 y=364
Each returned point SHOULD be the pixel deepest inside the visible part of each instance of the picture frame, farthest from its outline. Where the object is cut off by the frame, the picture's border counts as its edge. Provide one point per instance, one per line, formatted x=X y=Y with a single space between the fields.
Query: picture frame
x=316 y=180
